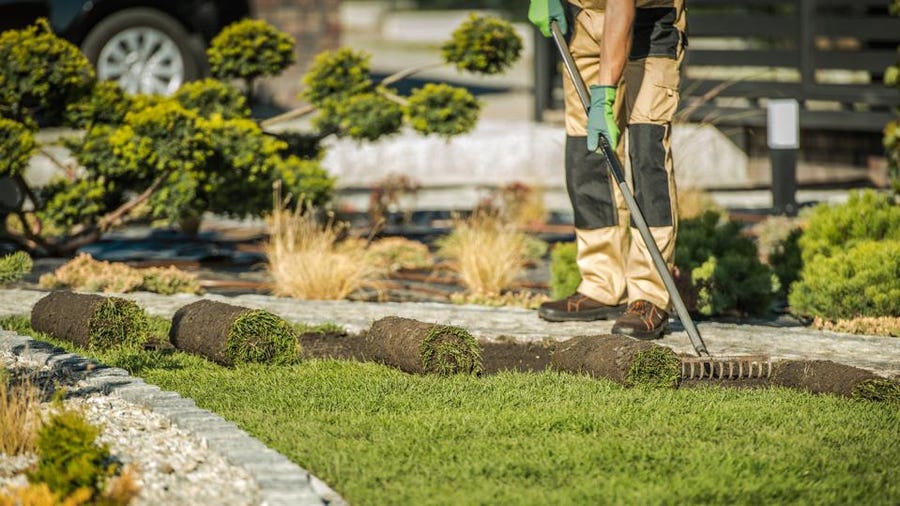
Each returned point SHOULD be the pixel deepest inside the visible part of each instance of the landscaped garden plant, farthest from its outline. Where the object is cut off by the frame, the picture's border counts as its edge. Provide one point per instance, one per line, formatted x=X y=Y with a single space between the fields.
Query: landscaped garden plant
x=170 y=158
x=350 y=104
x=719 y=268
x=85 y=274
x=851 y=260
x=892 y=129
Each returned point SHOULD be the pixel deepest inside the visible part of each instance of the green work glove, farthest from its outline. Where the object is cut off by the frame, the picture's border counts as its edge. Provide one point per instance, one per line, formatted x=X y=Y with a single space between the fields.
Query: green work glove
x=601 y=119
x=542 y=12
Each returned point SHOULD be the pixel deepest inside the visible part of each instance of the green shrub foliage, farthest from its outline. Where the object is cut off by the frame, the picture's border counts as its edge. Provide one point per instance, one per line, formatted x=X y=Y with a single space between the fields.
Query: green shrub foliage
x=208 y=97
x=306 y=180
x=14 y=267
x=40 y=73
x=866 y=216
x=787 y=262
x=366 y=116
x=484 y=45
x=68 y=203
x=106 y=104
x=442 y=109
x=17 y=145
x=726 y=273
x=862 y=280
x=564 y=274
x=249 y=49
x=69 y=457
x=336 y=76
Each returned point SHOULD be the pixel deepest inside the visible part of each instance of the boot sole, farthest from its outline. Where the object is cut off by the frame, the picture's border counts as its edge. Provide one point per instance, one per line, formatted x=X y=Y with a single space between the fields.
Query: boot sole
x=581 y=316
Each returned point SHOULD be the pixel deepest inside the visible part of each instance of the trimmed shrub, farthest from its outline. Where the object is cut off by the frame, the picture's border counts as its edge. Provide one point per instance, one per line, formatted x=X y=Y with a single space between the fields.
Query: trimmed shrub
x=69 y=456
x=40 y=73
x=866 y=216
x=726 y=274
x=861 y=281
x=17 y=145
x=249 y=49
x=442 y=109
x=209 y=96
x=337 y=75
x=564 y=274
x=366 y=116
x=106 y=104
x=484 y=45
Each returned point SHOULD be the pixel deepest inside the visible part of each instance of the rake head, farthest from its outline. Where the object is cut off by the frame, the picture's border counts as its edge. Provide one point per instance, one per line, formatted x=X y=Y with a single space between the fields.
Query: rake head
x=733 y=368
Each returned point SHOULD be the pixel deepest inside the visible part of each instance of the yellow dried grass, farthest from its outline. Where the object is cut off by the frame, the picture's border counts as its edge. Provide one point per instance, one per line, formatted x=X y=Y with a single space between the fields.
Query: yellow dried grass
x=19 y=417
x=308 y=261
x=487 y=253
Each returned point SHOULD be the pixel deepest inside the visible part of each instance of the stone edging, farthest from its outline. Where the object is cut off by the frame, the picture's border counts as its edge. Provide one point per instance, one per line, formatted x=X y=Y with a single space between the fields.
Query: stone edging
x=281 y=482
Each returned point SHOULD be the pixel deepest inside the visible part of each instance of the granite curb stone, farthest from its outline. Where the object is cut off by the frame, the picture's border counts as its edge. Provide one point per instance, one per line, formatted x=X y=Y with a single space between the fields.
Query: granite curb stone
x=281 y=482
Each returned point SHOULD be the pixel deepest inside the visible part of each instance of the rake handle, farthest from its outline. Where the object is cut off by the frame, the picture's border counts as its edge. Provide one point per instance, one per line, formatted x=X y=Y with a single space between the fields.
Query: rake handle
x=636 y=215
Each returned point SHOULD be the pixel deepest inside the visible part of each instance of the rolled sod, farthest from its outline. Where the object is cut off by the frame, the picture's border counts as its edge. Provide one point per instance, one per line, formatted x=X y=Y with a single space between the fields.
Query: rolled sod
x=422 y=348
x=91 y=321
x=619 y=358
x=231 y=335
x=827 y=377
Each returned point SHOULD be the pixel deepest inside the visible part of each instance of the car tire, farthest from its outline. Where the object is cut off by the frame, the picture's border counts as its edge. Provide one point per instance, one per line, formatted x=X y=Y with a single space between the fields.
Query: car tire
x=145 y=50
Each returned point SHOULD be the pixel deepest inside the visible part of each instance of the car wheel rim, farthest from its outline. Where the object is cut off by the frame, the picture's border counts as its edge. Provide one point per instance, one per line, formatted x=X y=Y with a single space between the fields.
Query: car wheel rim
x=142 y=60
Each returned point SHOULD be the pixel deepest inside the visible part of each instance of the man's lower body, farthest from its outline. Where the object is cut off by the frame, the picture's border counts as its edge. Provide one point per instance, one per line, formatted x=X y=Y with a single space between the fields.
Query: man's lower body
x=619 y=279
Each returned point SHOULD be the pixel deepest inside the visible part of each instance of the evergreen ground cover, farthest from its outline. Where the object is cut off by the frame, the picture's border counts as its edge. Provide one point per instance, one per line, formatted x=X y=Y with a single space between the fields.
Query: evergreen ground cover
x=380 y=436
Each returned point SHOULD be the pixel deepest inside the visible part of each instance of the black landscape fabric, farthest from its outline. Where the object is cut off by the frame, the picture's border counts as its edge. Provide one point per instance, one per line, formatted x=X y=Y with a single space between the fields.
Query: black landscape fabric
x=89 y=320
x=418 y=347
x=618 y=358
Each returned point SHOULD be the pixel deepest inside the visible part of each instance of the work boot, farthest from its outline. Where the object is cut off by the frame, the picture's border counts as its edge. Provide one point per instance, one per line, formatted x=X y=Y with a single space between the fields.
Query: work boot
x=578 y=308
x=642 y=320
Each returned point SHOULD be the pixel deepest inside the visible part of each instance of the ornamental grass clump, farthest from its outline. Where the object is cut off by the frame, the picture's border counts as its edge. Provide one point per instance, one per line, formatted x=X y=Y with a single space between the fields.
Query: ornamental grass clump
x=232 y=335
x=19 y=415
x=85 y=274
x=487 y=253
x=307 y=260
x=483 y=44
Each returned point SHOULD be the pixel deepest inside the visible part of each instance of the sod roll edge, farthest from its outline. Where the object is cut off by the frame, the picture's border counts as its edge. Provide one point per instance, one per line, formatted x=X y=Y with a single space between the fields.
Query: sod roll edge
x=421 y=348
x=231 y=335
x=89 y=320
x=619 y=358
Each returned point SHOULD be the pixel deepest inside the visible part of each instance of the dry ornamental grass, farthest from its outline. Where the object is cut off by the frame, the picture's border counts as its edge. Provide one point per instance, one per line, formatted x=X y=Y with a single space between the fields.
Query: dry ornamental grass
x=19 y=416
x=307 y=261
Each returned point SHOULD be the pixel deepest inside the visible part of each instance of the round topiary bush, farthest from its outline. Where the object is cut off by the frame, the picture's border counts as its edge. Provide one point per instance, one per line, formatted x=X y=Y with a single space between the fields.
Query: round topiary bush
x=40 y=73
x=366 y=116
x=442 y=109
x=336 y=75
x=17 y=145
x=484 y=45
x=861 y=281
x=249 y=49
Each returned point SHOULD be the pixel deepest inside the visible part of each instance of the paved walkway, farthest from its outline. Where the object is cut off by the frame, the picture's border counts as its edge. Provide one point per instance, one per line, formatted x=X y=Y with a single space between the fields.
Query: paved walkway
x=880 y=355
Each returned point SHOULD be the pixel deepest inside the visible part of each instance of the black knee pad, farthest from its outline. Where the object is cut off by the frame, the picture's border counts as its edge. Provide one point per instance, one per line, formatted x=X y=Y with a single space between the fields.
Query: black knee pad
x=589 y=185
x=648 y=167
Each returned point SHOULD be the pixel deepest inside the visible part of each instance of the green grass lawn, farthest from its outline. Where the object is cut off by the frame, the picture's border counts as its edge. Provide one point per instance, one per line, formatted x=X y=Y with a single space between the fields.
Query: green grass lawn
x=380 y=436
